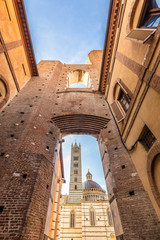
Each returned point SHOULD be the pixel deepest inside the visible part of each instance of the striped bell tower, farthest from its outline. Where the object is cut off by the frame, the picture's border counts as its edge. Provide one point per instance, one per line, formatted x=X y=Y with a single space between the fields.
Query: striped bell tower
x=75 y=188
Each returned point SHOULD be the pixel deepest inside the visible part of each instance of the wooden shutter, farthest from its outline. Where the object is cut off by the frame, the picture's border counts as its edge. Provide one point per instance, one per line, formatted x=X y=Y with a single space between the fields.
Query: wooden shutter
x=117 y=111
x=140 y=35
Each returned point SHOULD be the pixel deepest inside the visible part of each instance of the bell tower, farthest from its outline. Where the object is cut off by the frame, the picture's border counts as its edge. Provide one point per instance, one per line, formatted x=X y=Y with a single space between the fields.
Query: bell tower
x=75 y=187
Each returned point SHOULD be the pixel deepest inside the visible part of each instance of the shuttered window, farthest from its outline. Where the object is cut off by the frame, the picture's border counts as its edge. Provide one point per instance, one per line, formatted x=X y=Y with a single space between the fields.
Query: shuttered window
x=140 y=35
x=117 y=111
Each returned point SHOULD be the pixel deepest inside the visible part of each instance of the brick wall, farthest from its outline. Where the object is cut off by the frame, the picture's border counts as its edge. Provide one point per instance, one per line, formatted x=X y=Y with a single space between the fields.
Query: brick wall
x=29 y=149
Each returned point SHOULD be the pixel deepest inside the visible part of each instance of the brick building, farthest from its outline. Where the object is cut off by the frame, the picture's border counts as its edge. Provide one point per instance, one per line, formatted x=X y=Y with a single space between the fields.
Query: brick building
x=120 y=107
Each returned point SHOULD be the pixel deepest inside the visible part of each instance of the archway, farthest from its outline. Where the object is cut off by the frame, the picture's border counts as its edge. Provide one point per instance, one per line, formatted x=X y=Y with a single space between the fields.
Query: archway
x=32 y=127
x=80 y=77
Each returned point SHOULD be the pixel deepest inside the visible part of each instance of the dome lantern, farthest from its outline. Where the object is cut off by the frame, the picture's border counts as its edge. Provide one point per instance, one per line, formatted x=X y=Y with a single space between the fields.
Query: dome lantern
x=88 y=176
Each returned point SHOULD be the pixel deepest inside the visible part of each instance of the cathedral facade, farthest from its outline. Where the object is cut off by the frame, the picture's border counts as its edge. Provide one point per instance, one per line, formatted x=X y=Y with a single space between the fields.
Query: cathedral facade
x=85 y=213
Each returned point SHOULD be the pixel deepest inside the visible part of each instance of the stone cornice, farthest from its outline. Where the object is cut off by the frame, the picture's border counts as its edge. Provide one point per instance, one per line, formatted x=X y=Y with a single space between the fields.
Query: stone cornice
x=26 y=37
x=112 y=23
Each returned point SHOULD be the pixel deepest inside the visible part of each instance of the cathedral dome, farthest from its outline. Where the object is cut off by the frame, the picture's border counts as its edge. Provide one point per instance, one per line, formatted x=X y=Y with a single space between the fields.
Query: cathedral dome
x=91 y=184
x=92 y=191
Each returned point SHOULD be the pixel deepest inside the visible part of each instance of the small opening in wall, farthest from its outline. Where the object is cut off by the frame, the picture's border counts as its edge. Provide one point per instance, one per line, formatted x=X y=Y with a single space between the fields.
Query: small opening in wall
x=50 y=132
x=22 y=121
x=12 y=135
x=115 y=148
x=55 y=150
x=109 y=131
x=47 y=147
x=131 y=193
x=47 y=186
x=2 y=154
x=51 y=122
x=123 y=166
x=31 y=105
x=21 y=112
x=3 y=111
x=1 y=209
x=39 y=89
x=24 y=176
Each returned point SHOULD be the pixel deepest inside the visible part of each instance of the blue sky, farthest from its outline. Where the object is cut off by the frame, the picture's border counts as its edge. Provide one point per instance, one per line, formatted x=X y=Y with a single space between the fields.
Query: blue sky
x=67 y=30
x=90 y=157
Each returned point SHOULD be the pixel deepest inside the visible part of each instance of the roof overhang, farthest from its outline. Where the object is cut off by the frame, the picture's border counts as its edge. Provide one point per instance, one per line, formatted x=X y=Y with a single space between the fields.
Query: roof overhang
x=112 y=23
x=25 y=34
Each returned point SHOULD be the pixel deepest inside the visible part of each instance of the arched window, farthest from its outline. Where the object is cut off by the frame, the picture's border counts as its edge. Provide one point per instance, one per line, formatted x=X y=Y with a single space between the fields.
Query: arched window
x=151 y=16
x=75 y=187
x=122 y=97
x=92 y=217
x=79 y=79
x=110 y=220
x=4 y=91
x=72 y=219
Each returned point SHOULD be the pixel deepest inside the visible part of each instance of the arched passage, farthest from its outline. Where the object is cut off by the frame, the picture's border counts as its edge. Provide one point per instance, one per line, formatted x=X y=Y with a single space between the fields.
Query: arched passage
x=30 y=140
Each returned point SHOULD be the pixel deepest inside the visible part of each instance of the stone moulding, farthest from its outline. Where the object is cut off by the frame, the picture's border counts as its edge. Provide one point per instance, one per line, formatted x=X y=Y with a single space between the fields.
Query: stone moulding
x=109 y=42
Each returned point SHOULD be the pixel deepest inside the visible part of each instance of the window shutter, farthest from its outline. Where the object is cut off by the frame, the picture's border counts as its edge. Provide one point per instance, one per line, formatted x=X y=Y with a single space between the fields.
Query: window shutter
x=140 y=35
x=117 y=111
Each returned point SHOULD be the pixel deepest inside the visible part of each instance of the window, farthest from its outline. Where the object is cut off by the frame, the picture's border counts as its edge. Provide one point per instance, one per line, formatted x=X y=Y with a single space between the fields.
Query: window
x=92 y=217
x=79 y=79
x=75 y=164
x=110 y=220
x=75 y=187
x=122 y=95
x=151 y=17
x=147 y=138
x=72 y=219
x=124 y=100
x=149 y=21
x=75 y=179
x=75 y=171
x=75 y=158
